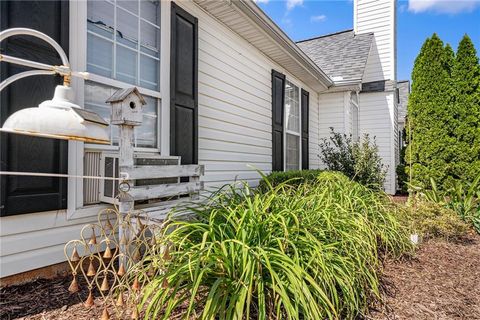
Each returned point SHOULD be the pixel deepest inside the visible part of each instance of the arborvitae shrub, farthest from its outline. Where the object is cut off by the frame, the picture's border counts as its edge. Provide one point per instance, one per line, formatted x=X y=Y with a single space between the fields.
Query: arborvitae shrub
x=466 y=81
x=443 y=115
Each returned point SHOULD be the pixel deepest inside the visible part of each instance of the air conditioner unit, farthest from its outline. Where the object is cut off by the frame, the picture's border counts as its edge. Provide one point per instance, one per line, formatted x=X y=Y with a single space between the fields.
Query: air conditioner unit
x=109 y=168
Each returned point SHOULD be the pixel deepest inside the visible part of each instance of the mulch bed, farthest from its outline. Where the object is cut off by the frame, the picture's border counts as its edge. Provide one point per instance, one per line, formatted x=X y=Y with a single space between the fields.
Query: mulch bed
x=46 y=299
x=441 y=282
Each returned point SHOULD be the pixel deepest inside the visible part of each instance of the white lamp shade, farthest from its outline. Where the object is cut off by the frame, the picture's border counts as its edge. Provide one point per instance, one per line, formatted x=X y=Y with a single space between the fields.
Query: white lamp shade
x=60 y=119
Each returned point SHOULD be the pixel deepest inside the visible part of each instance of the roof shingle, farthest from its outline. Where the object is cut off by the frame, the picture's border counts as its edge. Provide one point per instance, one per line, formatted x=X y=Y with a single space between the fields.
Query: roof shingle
x=342 y=55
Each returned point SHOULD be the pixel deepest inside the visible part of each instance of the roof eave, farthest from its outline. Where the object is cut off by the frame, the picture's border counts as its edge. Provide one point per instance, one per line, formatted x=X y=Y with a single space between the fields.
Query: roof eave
x=346 y=85
x=268 y=38
x=255 y=13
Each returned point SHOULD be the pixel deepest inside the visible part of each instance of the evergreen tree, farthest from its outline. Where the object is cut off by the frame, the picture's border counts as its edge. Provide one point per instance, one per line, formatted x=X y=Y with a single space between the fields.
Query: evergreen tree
x=430 y=119
x=466 y=79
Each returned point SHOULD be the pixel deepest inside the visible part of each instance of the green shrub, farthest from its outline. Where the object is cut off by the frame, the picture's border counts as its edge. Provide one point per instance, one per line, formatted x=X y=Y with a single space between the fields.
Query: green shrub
x=465 y=200
x=443 y=115
x=462 y=198
x=402 y=177
x=431 y=220
x=358 y=160
x=337 y=153
x=308 y=251
x=292 y=178
x=369 y=169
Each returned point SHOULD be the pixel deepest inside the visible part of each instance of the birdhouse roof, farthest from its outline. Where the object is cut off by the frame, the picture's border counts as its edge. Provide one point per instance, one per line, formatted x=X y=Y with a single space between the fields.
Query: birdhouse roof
x=121 y=94
x=90 y=116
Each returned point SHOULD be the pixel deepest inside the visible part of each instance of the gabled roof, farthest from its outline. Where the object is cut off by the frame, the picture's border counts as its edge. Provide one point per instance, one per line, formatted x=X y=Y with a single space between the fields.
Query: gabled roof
x=342 y=55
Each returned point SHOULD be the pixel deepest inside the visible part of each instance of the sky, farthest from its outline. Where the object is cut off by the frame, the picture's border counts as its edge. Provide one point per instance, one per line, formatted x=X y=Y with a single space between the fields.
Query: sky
x=416 y=21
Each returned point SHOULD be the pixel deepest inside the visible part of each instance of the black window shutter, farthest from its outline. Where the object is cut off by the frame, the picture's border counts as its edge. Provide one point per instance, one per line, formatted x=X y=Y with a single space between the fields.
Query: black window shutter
x=183 y=86
x=305 y=123
x=278 y=99
x=23 y=153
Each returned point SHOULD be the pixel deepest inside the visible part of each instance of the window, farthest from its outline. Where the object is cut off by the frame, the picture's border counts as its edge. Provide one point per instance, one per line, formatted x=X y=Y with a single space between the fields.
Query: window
x=354 y=115
x=290 y=124
x=292 y=127
x=123 y=49
x=123 y=41
x=145 y=136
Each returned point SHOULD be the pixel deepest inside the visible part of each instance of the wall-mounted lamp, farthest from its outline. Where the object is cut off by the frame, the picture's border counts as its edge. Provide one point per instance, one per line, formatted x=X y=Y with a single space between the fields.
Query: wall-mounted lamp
x=58 y=118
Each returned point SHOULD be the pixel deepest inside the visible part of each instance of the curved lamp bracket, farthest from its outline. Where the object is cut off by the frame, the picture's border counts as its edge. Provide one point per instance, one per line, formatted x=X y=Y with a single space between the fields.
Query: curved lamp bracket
x=59 y=117
x=42 y=68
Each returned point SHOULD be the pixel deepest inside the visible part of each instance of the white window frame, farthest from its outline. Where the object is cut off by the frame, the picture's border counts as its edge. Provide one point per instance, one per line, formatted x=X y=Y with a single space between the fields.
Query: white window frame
x=285 y=129
x=78 y=61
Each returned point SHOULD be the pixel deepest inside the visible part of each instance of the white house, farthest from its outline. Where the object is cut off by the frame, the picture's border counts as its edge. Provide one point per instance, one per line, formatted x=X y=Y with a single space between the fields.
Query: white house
x=225 y=87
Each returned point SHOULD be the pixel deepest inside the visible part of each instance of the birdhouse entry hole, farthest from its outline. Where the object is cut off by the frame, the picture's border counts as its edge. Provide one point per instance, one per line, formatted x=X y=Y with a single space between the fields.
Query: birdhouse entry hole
x=132 y=105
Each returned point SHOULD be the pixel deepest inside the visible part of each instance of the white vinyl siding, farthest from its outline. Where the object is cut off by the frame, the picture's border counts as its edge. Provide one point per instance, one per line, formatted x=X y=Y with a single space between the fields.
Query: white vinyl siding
x=378 y=16
x=353 y=116
x=378 y=110
x=234 y=101
x=35 y=240
x=376 y=118
x=331 y=113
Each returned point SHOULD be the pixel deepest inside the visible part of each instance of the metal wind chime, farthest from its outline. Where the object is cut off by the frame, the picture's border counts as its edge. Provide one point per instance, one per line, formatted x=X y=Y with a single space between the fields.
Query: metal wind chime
x=108 y=258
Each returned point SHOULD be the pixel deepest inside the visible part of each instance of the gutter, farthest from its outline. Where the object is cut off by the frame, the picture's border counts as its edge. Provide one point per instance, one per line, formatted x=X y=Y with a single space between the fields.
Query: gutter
x=343 y=85
x=254 y=12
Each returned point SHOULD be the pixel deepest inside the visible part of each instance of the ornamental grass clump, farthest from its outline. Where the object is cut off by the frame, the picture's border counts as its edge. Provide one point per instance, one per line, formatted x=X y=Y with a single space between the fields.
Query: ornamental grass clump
x=296 y=252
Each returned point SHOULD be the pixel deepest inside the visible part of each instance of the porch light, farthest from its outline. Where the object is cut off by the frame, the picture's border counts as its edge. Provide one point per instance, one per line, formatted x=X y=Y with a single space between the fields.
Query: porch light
x=58 y=118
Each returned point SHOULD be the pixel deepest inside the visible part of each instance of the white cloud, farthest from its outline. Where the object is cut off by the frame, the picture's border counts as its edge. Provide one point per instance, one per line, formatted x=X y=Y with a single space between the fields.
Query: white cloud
x=293 y=3
x=318 y=18
x=443 y=6
x=287 y=22
x=261 y=1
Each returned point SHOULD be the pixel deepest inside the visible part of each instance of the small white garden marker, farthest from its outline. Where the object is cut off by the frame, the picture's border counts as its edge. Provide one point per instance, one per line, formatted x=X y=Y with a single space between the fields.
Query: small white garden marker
x=414 y=238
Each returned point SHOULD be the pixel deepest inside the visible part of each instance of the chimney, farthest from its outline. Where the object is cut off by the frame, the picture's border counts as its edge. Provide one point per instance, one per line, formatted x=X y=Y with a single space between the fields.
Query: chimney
x=378 y=17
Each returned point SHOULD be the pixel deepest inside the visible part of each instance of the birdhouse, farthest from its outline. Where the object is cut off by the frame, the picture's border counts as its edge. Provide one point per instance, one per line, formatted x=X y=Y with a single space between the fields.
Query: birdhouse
x=127 y=105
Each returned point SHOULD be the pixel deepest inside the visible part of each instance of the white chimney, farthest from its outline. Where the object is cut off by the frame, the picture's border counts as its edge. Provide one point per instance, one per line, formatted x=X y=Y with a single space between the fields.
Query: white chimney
x=378 y=17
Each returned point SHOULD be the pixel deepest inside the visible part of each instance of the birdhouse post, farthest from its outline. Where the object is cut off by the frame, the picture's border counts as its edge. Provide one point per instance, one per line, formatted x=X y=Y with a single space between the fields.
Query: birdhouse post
x=126 y=112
